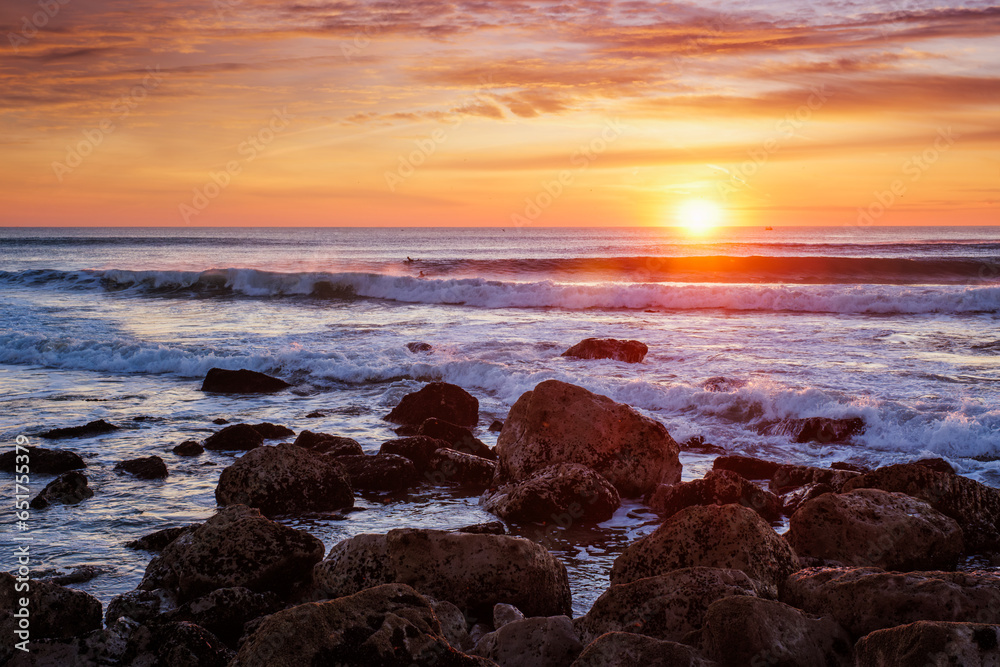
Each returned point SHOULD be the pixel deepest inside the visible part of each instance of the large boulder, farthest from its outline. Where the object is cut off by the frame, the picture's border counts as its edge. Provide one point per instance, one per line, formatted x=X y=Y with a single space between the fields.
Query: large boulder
x=624 y=649
x=386 y=625
x=560 y=489
x=718 y=487
x=667 y=606
x=441 y=400
x=931 y=643
x=532 y=642
x=873 y=528
x=790 y=477
x=98 y=427
x=863 y=600
x=285 y=479
x=826 y=430
x=975 y=506
x=325 y=443
x=630 y=351
x=42 y=461
x=243 y=381
x=381 y=472
x=458 y=437
x=558 y=422
x=236 y=547
x=68 y=488
x=726 y=536
x=473 y=571
x=747 y=466
x=742 y=631
x=447 y=466
x=238 y=437
x=149 y=467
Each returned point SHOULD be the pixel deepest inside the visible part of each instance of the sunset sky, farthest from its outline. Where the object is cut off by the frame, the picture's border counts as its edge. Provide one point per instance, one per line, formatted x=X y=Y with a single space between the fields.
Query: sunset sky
x=577 y=112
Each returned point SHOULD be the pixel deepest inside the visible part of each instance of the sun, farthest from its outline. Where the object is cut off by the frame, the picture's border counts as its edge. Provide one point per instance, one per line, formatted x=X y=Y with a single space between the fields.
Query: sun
x=698 y=215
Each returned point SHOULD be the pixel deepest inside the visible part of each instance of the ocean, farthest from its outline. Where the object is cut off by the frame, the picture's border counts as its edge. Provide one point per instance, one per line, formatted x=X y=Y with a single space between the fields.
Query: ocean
x=746 y=328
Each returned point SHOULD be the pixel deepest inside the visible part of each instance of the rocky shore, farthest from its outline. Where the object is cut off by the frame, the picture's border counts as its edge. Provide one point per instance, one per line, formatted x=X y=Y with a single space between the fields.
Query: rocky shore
x=872 y=571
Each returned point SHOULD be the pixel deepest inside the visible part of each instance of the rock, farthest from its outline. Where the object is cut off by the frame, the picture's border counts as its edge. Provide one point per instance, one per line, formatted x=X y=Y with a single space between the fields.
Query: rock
x=225 y=611
x=790 y=477
x=747 y=466
x=150 y=467
x=42 y=461
x=473 y=571
x=406 y=430
x=723 y=384
x=285 y=479
x=873 y=528
x=386 y=625
x=316 y=414
x=97 y=647
x=437 y=399
x=863 y=600
x=175 y=644
x=220 y=421
x=419 y=347
x=270 y=431
x=324 y=443
x=91 y=428
x=504 y=614
x=188 y=448
x=623 y=649
x=937 y=465
x=561 y=423
x=696 y=443
x=447 y=466
x=667 y=606
x=453 y=625
x=237 y=547
x=630 y=351
x=140 y=606
x=726 y=536
x=741 y=631
x=532 y=642
x=496 y=426
x=381 y=472
x=78 y=575
x=239 y=437
x=156 y=541
x=458 y=438
x=243 y=381
x=931 y=643
x=54 y=612
x=793 y=500
x=489 y=528
x=69 y=488
x=418 y=448
x=718 y=487
x=555 y=491
x=826 y=430
x=975 y=506
x=853 y=467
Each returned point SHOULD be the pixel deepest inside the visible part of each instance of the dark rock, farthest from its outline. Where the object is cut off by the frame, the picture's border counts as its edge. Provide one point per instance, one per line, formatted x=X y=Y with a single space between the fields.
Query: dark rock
x=823 y=430
x=790 y=477
x=42 y=461
x=285 y=479
x=931 y=643
x=188 y=448
x=793 y=499
x=237 y=547
x=270 y=431
x=419 y=449
x=220 y=421
x=54 y=612
x=381 y=472
x=225 y=611
x=718 y=487
x=696 y=443
x=243 y=381
x=447 y=466
x=558 y=422
x=937 y=465
x=489 y=528
x=92 y=428
x=504 y=614
x=238 y=437
x=723 y=384
x=437 y=399
x=624 y=649
x=78 y=575
x=667 y=606
x=473 y=571
x=316 y=414
x=458 y=438
x=844 y=465
x=532 y=642
x=140 y=606
x=174 y=645
x=390 y=626
x=975 y=506
x=97 y=647
x=630 y=351
x=726 y=536
x=324 y=443
x=747 y=466
x=562 y=489
x=740 y=631
x=496 y=426
x=156 y=541
x=873 y=528
x=150 y=467
x=69 y=488
x=419 y=347
x=863 y=600
x=406 y=430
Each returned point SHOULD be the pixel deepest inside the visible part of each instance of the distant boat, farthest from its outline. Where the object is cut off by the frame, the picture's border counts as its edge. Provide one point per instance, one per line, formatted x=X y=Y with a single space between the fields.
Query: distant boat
x=769 y=229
